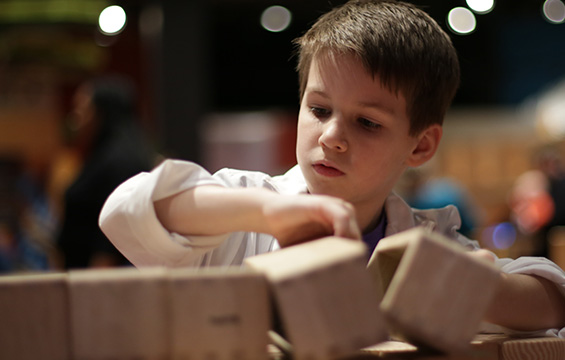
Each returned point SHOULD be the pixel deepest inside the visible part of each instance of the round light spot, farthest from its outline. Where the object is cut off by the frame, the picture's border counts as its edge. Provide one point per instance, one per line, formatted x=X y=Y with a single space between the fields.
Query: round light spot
x=499 y=236
x=112 y=20
x=461 y=20
x=504 y=235
x=481 y=6
x=554 y=11
x=276 y=18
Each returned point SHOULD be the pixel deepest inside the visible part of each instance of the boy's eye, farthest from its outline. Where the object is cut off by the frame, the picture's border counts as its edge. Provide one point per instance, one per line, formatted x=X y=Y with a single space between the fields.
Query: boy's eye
x=320 y=112
x=369 y=124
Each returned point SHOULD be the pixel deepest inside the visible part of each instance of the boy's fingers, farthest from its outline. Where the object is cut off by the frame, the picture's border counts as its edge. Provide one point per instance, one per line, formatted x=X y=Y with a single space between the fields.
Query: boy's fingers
x=345 y=223
x=347 y=227
x=483 y=254
x=309 y=217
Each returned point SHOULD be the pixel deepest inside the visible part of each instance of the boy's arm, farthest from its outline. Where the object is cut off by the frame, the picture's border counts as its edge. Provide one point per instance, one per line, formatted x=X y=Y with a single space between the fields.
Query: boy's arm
x=527 y=302
x=213 y=210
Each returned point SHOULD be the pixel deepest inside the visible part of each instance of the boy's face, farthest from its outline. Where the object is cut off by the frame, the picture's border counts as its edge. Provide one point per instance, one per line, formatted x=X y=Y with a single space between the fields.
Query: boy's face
x=353 y=135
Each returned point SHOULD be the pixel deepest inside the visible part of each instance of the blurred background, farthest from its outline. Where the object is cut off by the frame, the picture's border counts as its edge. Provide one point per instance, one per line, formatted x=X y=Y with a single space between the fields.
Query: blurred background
x=213 y=81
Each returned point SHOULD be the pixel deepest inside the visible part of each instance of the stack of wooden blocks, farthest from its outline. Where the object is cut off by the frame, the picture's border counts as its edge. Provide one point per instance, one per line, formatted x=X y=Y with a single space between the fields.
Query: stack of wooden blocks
x=418 y=286
x=157 y=313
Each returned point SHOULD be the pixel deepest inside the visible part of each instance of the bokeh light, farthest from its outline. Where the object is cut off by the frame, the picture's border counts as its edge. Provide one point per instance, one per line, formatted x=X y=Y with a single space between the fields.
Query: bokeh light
x=481 y=6
x=276 y=18
x=461 y=20
x=112 y=20
x=554 y=11
x=500 y=236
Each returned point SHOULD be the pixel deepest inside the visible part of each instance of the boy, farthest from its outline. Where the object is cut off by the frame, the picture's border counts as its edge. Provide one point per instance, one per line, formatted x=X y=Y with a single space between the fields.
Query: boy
x=376 y=78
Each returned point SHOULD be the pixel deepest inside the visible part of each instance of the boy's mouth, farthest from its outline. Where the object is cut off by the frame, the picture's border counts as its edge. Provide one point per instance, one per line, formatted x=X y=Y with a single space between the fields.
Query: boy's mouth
x=327 y=170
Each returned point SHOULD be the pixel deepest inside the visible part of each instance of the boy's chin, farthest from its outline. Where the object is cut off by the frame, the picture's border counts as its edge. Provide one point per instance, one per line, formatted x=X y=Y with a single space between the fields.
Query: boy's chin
x=327 y=192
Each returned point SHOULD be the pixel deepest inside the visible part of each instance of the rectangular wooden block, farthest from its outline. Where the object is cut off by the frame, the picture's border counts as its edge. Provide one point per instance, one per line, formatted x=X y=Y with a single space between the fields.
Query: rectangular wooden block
x=219 y=314
x=34 y=322
x=119 y=314
x=548 y=348
x=483 y=347
x=480 y=349
x=432 y=292
x=325 y=297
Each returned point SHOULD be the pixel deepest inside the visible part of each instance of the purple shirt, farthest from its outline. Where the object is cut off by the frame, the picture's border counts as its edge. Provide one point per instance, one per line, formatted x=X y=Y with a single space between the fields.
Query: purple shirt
x=372 y=238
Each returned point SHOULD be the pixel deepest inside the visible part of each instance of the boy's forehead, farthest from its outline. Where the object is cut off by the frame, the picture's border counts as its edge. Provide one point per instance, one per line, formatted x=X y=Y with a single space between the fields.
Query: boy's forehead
x=330 y=69
x=330 y=61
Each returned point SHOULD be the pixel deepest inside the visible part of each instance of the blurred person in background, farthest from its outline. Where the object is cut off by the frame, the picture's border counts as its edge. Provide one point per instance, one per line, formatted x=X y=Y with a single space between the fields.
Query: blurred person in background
x=537 y=199
x=106 y=141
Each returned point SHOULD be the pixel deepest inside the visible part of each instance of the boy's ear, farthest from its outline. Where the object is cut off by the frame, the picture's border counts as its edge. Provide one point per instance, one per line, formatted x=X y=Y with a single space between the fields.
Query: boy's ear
x=428 y=142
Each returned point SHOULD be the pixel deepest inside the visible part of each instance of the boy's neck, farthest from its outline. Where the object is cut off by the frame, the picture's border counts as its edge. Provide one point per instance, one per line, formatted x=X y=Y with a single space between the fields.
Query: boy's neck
x=373 y=224
x=369 y=222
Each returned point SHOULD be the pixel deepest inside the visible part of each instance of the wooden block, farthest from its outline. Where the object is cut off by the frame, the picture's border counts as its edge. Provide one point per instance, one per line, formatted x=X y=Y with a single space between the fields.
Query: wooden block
x=432 y=292
x=34 y=322
x=398 y=350
x=219 y=314
x=483 y=347
x=119 y=314
x=534 y=349
x=325 y=297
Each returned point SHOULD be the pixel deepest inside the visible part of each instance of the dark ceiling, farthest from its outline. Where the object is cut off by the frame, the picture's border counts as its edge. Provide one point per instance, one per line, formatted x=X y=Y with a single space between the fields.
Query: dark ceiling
x=513 y=54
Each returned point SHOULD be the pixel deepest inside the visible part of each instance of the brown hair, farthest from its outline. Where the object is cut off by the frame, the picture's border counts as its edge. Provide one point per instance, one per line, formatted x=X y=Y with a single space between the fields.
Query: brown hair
x=399 y=42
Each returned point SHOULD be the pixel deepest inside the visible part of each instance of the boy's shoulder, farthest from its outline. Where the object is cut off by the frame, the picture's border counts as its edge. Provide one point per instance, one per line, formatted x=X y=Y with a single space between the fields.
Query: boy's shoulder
x=445 y=220
x=291 y=182
x=242 y=178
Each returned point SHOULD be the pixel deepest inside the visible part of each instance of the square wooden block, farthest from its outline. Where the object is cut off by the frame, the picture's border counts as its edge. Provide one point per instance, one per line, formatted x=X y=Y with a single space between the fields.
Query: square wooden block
x=219 y=314
x=119 y=314
x=432 y=292
x=34 y=321
x=325 y=297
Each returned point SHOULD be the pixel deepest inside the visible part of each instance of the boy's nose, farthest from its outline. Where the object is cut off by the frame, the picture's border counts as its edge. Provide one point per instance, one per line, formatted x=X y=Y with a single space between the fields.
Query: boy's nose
x=333 y=136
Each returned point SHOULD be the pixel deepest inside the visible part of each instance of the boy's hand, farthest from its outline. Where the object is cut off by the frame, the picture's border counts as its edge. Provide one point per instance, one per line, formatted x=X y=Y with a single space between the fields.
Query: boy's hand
x=296 y=219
